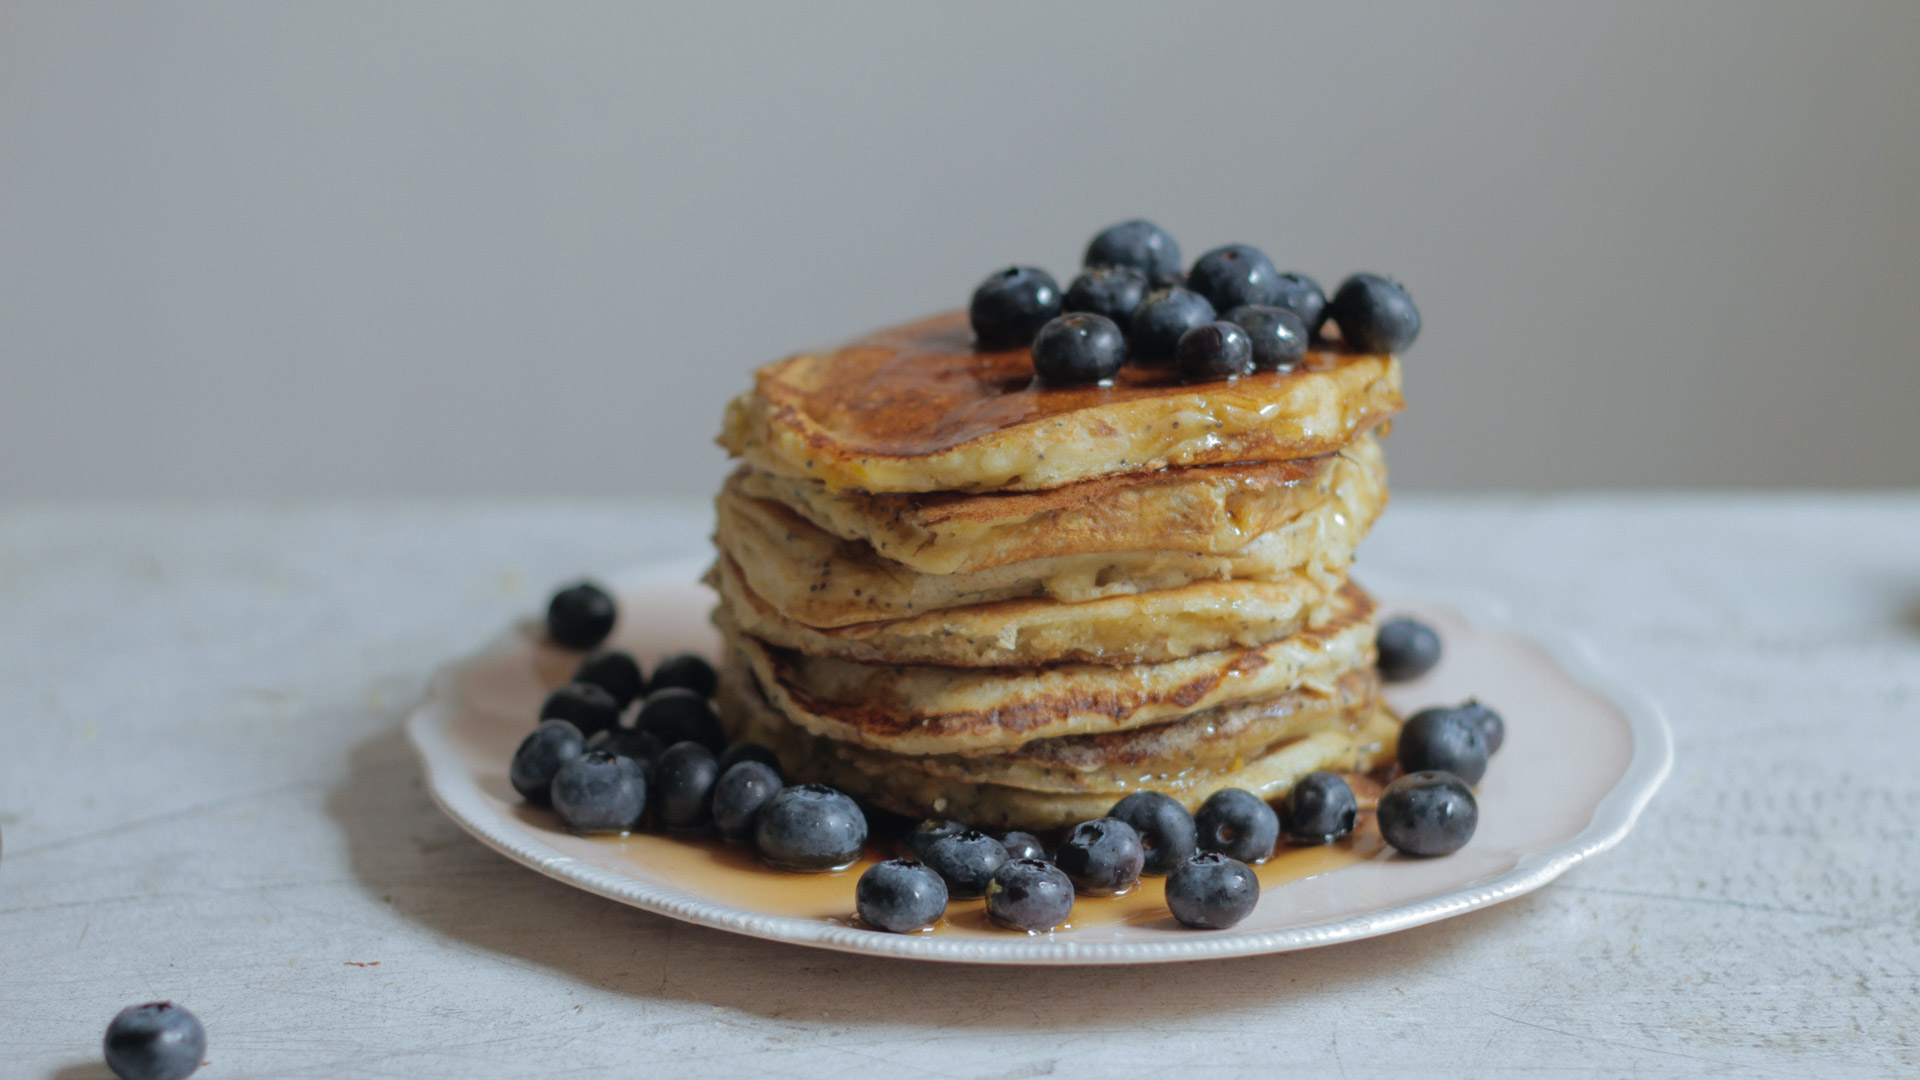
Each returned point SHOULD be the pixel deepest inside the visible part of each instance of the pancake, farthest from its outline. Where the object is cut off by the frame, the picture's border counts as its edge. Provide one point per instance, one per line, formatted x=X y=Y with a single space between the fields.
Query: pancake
x=894 y=783
x=1130 y=628
x=924 y=709
x=1203 y=510
x=915 y=408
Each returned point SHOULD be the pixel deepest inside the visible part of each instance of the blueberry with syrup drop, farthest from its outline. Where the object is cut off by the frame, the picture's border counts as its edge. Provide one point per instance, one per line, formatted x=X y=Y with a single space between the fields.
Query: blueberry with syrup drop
x=1011 y=305
x=1319 y=809
x=900 y=896
x=810 y=827
x=1162 y=318
x=583 y=705
x=1030 y=895
x=1078 y=349
x=599 y=792
x=678 y=714
x=614 y=671
x=683 y=779
x=966 y=861
x=743 y=788
x=541 y=753
x=1166 y=829
x=1024 y=845
x=1102 y=857
x=1375 y=314
x=1234 y=275
x=1278 y=337
x=1211 y=891
x=1428 y=813
x=1138 y=244
x=1109 y=291
x=1215 y=350
x=155 y=1041
x=1237 y=823
x=1443 y=739
x=1408 y=649
x=580 y=616
x=688 y=670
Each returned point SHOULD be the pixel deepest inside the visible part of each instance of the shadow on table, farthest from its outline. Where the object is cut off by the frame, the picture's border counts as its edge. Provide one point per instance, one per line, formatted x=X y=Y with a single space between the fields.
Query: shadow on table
x=406 y=852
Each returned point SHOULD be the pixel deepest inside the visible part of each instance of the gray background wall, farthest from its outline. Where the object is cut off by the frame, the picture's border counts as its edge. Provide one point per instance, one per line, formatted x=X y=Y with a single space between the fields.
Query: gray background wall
x=277 y=250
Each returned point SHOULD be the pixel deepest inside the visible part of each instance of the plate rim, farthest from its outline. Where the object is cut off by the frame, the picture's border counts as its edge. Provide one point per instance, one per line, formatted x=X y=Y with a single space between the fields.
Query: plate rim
x=454 y=790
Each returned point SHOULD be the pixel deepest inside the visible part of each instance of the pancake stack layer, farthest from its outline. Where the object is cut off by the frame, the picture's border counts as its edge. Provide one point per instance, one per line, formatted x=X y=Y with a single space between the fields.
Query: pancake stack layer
x=955 y=593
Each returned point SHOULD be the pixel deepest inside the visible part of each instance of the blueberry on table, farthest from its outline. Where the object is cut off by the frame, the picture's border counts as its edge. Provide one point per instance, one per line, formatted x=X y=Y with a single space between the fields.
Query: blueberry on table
x=1102 y=857
x=924 y=834
x=1492 y=728
x=689 y=670
x=678 y=714
x=1215 y=350
x=966 y=861
x=156 y=1041
x=743 y=788
x=1278 y=336
x=1319 y=809
x=583 y=705
x=747 y=751
x=1302 y=295
x=1078 y=349
x=810 y=827
x=541 y=753
x=683 y=780
x=1030 y=895
x=1428 y=813
x=900 y=896
x=599 y=792
x=1138 y=244
x=1112 y=292
x=616 y=672
x=1162 y=318
x=1234 y=275
x=1211 y=891
x=1442 y=739
x=1408 y=649
x=1375 y=314
x=1012 y=305
x=1238 y=824
x=580 y=616
x=1166 y=828
x=1024 y=845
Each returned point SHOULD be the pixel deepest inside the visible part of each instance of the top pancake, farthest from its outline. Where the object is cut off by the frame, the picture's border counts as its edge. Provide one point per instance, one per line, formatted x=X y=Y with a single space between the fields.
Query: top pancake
x=916 y=408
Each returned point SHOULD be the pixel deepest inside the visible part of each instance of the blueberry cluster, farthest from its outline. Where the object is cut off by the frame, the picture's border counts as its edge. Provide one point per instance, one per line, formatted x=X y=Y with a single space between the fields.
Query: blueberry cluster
x=1430 y=809
x=1231 y=314
x=671 y=764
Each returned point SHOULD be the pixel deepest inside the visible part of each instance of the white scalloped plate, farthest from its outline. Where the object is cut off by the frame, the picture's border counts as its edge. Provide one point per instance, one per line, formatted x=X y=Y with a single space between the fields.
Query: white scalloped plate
x=1583 y=755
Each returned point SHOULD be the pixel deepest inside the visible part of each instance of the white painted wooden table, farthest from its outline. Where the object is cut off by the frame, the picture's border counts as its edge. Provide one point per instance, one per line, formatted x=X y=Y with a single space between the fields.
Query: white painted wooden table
x=205 y=797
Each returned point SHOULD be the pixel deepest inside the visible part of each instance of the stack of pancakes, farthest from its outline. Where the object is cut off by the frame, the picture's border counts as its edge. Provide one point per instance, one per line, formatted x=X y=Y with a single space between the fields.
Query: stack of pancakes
x=955 y=593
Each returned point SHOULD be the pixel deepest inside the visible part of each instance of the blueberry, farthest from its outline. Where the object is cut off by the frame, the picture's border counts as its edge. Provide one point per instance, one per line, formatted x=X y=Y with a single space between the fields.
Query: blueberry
x=1239 y=824
x=1215 y=350
x=811 y=827
x=583 y=705
x=966 y=861
x=1081 y=348
x=683 y=782
x=541 y=753
x=746 y=751
x=678 y=714
x=1428 y=813
x=1024 y=845
x=1012 y=305
x=1302 y=295
x=1279 y=337
x=1234 y=275
x=1320 y=809
x=743 y=788
x=1109 y=291
x=580 y=616
x=1211 y=891
x=155 y=1041
x=1102 y=857
x=616 y=672
x=1142 y=245
x=689 y=670
x=641 y=746
x=900 y=896
x=1166 y=828
x=599 y=792
x=1492 y=728
x=1162 y=318
x=1442 y=739
x=1375 y=314
x=1408 y=649
x=924 y=834
x=1030 y=895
